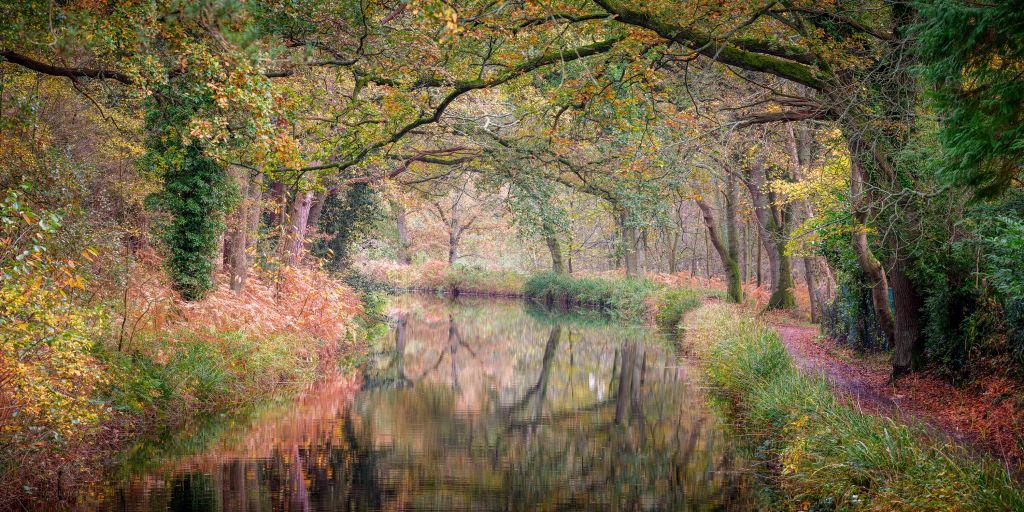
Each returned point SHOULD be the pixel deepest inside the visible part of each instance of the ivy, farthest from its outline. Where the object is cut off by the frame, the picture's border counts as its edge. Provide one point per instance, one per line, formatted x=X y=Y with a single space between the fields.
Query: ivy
x=344 y=221
x=197 y=190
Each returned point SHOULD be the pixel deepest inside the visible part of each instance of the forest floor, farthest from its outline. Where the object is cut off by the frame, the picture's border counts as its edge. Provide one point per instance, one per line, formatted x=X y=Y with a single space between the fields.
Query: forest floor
x=987 y=414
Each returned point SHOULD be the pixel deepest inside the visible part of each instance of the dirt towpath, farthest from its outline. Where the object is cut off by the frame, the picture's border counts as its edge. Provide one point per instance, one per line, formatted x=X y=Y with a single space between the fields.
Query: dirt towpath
x=988 y=415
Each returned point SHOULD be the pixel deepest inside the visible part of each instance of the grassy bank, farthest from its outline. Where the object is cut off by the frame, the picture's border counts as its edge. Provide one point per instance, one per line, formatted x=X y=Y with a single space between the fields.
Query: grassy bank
x=147 y=363
x=439 y=277
x=824 y=452
x=629 y=299
x=634 y=300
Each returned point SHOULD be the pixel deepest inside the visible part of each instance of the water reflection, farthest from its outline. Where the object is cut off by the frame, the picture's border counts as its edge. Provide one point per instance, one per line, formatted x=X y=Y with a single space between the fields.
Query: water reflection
x=474 y=406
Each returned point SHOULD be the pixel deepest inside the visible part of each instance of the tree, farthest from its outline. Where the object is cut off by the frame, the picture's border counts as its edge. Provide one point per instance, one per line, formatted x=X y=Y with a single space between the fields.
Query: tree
x=197 y=190
x=972 y=54
x=727 y=247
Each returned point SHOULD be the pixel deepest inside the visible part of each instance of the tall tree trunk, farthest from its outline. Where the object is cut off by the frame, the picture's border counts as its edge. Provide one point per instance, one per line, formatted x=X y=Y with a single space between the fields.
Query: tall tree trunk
x=745 y=262
x=315 y=212
x=403 y=231
x=872 y=268
x=298 y=216
x=629 y=243
x=453 y=249
x=454 y=234
x=782 y=297
x=556 y=254
x=759 y=279
x=732 y=263
x=236 y=239
x=773 y=226
x=801 y=145
x=673 y=244
x=812 y=289
x=725 y=251
x=909 y=345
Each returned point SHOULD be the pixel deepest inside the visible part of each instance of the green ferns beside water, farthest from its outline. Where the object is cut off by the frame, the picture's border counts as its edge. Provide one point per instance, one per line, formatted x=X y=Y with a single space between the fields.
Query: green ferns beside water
x=828 y=453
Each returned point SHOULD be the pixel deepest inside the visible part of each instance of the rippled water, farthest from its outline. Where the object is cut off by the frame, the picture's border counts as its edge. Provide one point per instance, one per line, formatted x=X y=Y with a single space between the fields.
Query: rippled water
x=470 y=405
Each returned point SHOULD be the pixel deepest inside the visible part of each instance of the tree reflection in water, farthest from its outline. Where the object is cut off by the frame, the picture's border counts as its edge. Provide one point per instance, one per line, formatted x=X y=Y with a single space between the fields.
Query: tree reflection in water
x=475 y=405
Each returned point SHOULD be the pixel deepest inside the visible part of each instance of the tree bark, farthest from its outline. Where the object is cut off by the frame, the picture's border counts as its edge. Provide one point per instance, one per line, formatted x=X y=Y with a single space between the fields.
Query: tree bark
x=909 y=345
x=726 y=251
x=298 y=216
x=812 y=289
x=236 y=239
x=732 y=263
x=403 y=232
x=556 y=254
x=865 y=257
x=673 y=245
x=773 y=227
x=315 y=212
x=453 y=248
x=629 y=243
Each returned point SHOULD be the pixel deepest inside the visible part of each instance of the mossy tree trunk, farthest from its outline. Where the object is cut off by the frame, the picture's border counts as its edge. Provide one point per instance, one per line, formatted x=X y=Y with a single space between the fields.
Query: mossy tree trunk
x=728 y=250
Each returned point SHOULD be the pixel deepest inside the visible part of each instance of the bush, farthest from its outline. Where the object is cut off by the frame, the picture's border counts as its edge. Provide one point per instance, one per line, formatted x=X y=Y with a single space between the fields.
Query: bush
x=632 y=299
x=48 y=417
x=828 y=453
x=180 y=375
x=437 y=276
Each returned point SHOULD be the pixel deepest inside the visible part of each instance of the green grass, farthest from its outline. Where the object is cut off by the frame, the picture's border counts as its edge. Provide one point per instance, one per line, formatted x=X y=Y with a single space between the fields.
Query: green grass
x=630 y=299
x=473 y=280
x=180 y=376
x=674 y=304
x=827 y=453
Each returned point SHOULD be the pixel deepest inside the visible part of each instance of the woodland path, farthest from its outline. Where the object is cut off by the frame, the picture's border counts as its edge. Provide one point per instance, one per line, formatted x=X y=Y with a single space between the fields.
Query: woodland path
x=983 y=415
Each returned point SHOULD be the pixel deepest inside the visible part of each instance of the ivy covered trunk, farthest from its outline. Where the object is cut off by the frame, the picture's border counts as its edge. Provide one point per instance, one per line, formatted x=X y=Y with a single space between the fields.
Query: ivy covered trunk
x=197 y=190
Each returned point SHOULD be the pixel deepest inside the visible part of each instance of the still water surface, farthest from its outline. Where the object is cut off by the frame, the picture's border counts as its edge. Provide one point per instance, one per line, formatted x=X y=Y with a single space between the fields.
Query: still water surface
x=470 y=405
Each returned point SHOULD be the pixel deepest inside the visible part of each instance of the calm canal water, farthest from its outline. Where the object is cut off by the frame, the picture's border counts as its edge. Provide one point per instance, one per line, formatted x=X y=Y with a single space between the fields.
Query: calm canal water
x=469 y=405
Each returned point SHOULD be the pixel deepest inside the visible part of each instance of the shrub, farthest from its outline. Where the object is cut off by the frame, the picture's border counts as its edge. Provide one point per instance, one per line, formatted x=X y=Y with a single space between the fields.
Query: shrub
x=632 y=299
x=179 y=375
x=47 y=374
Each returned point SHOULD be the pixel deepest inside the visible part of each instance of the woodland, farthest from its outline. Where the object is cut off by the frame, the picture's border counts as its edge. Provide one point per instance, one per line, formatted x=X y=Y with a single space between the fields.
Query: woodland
x=205 y=202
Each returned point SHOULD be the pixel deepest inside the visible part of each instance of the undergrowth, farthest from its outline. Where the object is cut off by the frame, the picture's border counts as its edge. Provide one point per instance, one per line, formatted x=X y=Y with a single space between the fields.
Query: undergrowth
x=177 y=376
x=826 y=453
x=439 y=277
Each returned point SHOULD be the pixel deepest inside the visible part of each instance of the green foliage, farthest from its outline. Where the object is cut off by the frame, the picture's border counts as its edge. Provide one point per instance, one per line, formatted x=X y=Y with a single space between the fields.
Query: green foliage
x=631 y=299
x=972 y=54
x=475 y=280
x=181 y=375
x=674 y=304
x=831 y=455
x=197 y=190
x=850 y=319
x=344 y=221
x=47 y=374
